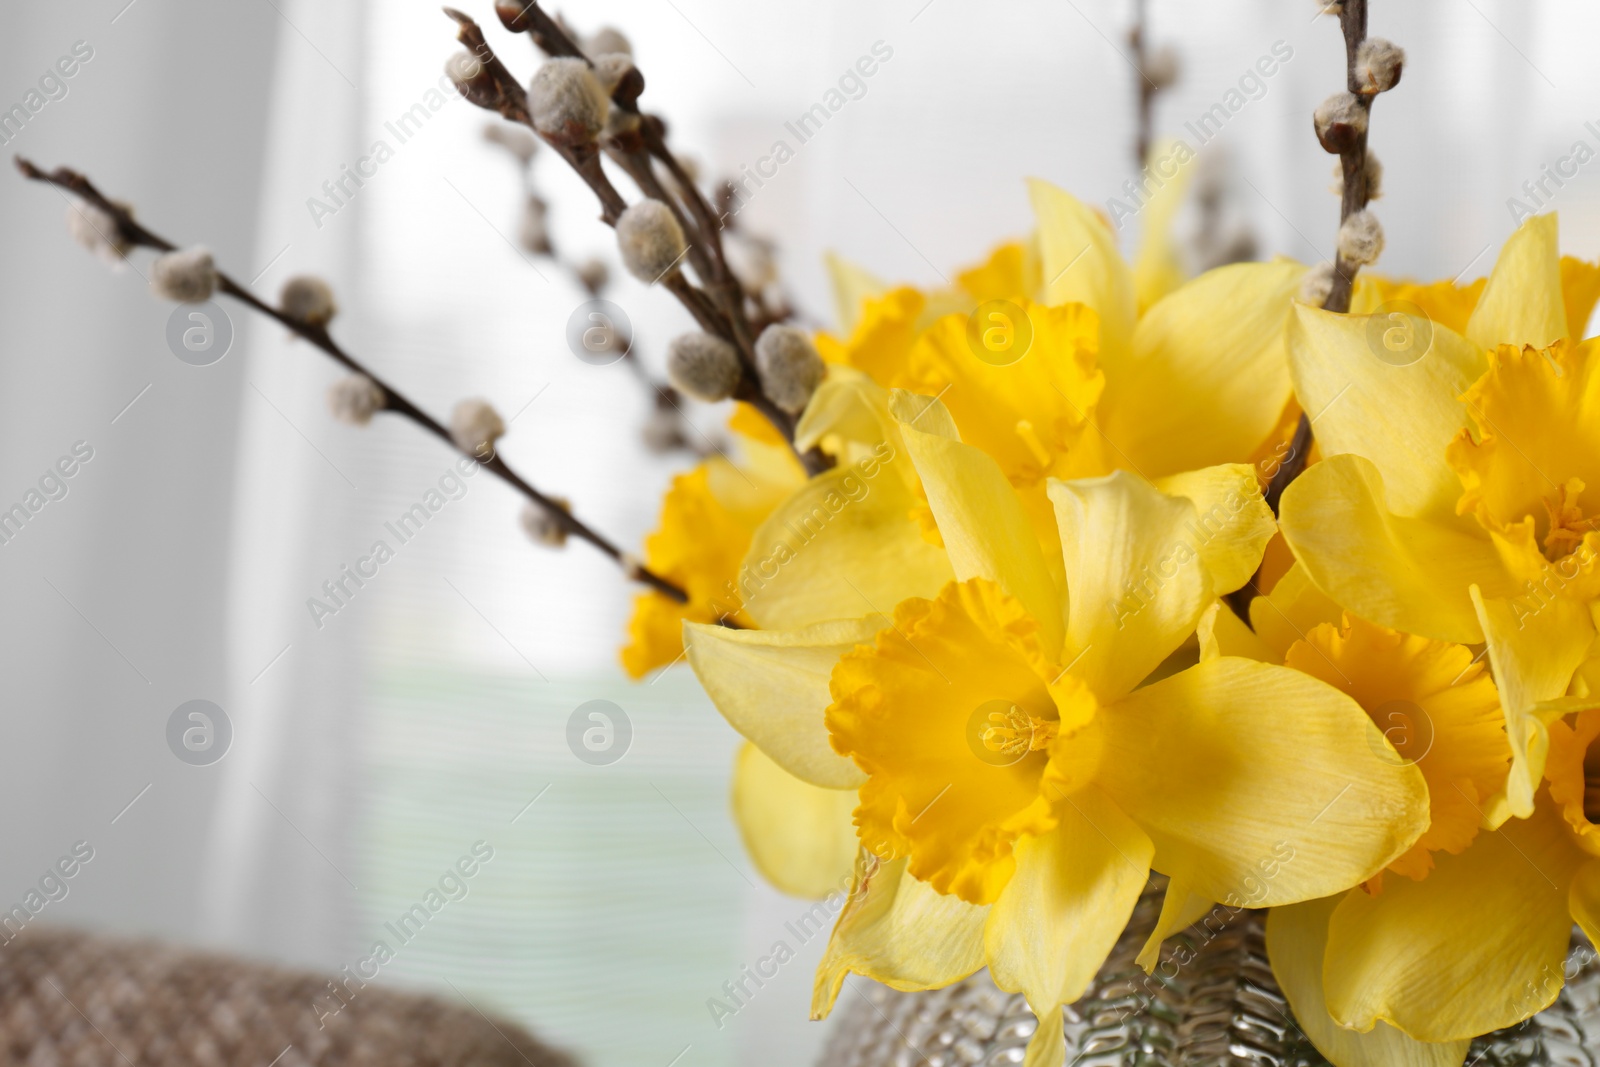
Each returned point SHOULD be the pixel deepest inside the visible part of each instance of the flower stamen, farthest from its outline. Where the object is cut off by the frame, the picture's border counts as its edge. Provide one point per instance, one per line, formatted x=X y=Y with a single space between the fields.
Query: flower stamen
x=1015 y=732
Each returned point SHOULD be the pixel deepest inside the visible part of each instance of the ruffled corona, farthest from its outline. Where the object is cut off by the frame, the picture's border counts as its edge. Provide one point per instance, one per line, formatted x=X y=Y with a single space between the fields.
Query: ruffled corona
x=950 y=713
x=1436 y=706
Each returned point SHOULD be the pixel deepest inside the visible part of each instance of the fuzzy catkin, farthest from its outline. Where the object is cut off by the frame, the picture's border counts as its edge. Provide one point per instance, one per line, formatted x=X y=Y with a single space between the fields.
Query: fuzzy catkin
x=703 y=366
x=187 y=276
x=1378 y=64
x=1361 y=239
x=475 y=426
x=789 y=367
x=567 y=103
x=355 y=398
x=542 y=527
x=308 y=299
x=650 y=240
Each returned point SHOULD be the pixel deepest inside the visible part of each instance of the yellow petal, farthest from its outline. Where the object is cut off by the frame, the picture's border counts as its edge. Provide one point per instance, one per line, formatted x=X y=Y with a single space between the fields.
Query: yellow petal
x=1293 y=609
x=1366 y=399
x=881 y=339
x=1297 y=938
x=1535 y=460
x=848 y=417
x=1477 y=945
x=949 y=713
x=1444 y=302
x=898 y=931
x=1409 y=574
x=1258 y=784
x=1082 y=266
x=707 y=518
x=798 y=835
x=1583 y=900
x=1580 y=290
x=1522 y=304
x=1223 y=633
x=1569 y=784
x=1074 y=890
x=1534 y=654
x=983 y=524
x=1136 y=582
x=1012 y=272
x=772 y=687
x=1158 y=265
x=1234 y=522
x=1031 y=415
x=1437 y=706
x=852 y=286
x=1180 y=909
x=843 y=546
x=1209 y=376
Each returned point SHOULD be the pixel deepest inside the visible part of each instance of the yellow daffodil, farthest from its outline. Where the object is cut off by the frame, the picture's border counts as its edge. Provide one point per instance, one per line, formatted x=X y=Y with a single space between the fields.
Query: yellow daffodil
x=1124 y=367
x=1472 y=935
x=1461 y=477
x=707 y=518
x=1014 y=782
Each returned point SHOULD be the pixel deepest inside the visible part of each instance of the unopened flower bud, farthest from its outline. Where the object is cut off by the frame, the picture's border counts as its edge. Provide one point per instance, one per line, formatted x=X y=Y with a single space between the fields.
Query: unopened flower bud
x=594 y=274
x=471 y=77
x=567 y=104
x=789 y=367
x=307 y=299
x=96 y=229
x=1317 y=285
x=610 y=68
x=1360 y=239
x=187 y=276
x=607 y=39
x=1340 y=121
x=514 y=139
x=354 y=399
x=1378 y=65
x=532 y=232
x=704 y=366
x=475 y=426
x=1161 y=67
x=650 y=239
x=1374 y=176
x=543 y=527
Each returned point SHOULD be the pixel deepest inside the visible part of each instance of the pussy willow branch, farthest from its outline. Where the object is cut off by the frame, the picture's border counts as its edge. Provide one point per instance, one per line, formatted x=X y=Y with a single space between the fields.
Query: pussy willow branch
x=1353 y=165
x=719 y=311
x=1146 y=87
x=136 y=234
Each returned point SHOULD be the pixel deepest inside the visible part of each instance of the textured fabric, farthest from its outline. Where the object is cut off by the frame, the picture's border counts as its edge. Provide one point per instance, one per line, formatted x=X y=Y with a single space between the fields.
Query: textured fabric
x=67 y=997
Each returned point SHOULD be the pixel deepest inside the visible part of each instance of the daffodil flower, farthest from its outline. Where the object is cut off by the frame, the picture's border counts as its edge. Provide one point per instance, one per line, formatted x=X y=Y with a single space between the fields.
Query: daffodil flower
x=1014 y=782
x=707 y=518
x=1469 y=930
x=1461 y=478
x=1131 y=367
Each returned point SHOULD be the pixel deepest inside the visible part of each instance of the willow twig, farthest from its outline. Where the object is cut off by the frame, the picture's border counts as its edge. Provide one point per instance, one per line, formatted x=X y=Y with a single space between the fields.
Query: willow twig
x=132 y=233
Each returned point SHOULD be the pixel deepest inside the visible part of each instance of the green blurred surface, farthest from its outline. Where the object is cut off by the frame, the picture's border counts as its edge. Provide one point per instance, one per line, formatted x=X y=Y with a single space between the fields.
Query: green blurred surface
x=614 y=906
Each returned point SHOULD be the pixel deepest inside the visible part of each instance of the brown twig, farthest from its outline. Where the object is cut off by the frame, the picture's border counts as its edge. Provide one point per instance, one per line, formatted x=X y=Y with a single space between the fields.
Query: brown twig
x=1353 y=160
x=1146 y=88
x=719 y=307
x=133 y=233
x=1353 y=166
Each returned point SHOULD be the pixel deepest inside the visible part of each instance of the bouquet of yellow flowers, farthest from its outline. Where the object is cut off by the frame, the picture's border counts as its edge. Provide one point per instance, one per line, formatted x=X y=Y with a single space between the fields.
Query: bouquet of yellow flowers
x=1273 y=588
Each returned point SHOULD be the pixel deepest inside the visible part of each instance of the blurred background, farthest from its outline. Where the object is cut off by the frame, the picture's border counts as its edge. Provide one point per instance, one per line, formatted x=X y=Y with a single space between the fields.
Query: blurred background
x=370 y=752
